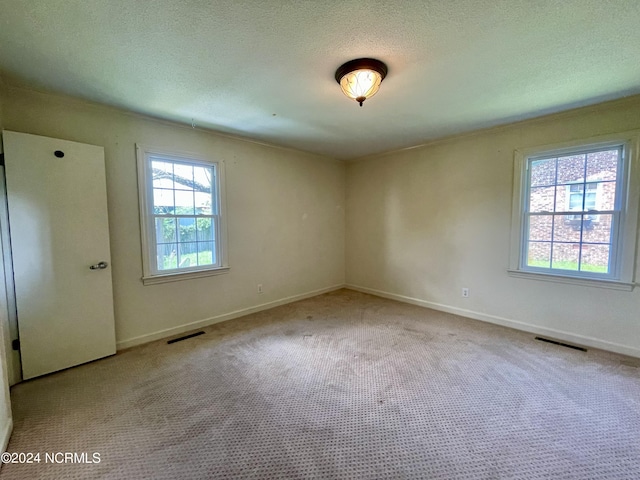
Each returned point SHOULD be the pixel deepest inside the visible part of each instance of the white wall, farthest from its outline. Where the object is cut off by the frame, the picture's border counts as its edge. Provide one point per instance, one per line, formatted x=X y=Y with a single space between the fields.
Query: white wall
x=425 y=222
x=6 y=423
x=285 y=215
x=421 y=224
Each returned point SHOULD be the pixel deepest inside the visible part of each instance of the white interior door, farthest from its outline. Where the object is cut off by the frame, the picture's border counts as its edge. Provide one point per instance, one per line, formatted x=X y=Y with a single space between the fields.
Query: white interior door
x=57 y=200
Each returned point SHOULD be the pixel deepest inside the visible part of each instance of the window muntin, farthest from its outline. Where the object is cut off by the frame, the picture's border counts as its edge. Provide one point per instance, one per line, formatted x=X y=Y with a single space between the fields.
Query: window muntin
x=181 y=214
x=566 y=231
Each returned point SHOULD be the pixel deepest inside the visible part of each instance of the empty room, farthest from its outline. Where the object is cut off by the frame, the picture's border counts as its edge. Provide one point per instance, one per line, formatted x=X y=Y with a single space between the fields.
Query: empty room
x=319 y=239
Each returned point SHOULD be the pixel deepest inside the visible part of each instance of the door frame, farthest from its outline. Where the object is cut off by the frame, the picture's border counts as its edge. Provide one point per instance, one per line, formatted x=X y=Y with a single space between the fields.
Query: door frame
x=10 y=330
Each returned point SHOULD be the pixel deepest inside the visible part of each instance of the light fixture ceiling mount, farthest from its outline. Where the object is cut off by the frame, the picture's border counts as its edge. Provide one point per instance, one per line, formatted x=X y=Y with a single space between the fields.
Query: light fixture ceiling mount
x=360 y=78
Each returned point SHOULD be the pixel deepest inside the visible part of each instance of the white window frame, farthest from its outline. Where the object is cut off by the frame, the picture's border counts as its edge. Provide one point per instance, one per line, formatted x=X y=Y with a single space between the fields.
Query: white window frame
x=151 y=274
x=624 y=243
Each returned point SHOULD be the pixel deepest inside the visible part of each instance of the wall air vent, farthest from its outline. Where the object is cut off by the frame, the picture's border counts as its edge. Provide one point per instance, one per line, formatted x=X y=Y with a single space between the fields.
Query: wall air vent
x=555 y=342
x=179 y=339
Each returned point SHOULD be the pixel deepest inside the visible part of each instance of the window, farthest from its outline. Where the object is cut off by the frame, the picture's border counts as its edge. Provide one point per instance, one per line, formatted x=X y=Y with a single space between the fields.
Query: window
x=575 y=212
x=182 y=215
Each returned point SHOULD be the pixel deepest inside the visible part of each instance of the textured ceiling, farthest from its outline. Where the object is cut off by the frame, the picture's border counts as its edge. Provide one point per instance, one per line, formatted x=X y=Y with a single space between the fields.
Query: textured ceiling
x=264 y=69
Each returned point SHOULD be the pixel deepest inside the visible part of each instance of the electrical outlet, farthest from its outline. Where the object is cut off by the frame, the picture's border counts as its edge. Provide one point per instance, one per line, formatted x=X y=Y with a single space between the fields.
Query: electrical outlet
x=260 y=288
x=465 y=292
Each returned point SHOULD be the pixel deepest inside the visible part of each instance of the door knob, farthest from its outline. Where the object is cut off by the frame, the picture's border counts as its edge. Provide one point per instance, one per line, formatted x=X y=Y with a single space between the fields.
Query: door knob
x=99 y=266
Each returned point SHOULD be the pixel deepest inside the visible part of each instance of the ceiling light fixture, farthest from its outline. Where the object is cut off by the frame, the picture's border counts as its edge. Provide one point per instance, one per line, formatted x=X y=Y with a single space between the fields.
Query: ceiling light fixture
x=360 y=79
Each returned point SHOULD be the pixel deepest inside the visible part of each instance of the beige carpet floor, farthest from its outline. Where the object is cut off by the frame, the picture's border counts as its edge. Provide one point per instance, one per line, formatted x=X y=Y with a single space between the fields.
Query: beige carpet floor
x=343 y=385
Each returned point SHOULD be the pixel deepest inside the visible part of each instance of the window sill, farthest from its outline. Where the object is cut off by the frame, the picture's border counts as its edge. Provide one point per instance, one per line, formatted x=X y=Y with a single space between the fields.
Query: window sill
x=588 y=282
x=175 y=277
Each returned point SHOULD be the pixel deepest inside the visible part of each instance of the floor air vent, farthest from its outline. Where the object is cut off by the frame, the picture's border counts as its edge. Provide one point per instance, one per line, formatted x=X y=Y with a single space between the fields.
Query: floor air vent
x=561 y=344
x=191 y=335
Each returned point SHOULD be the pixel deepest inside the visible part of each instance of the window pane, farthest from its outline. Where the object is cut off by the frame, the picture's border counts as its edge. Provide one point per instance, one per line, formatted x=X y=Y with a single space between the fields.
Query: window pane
x=595 y=258
x=162 y=174
x=184 y=202
x=566 y=228
x=571 y=169
x=566 y=197
x=203 y=203
x=540 y=227
x=206 y=253
x=187 y=229
x=183 y=176
x=167 y=256
x=590 y=197
x=539 y=254
x=541 y=199
x=597 y=228
x=188 y=254
x=543 y=172
x=165 y=230
x=602 y=165
x=575 y=201
x=204 y=229
x=576 y=197
x=203 y=178
x=565 y=256
x=605 y=197
x=162 y=201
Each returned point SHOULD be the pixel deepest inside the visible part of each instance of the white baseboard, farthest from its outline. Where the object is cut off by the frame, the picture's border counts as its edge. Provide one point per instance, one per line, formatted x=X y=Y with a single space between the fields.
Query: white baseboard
x=5 y=434
x=150 y=337
x=506 y=322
